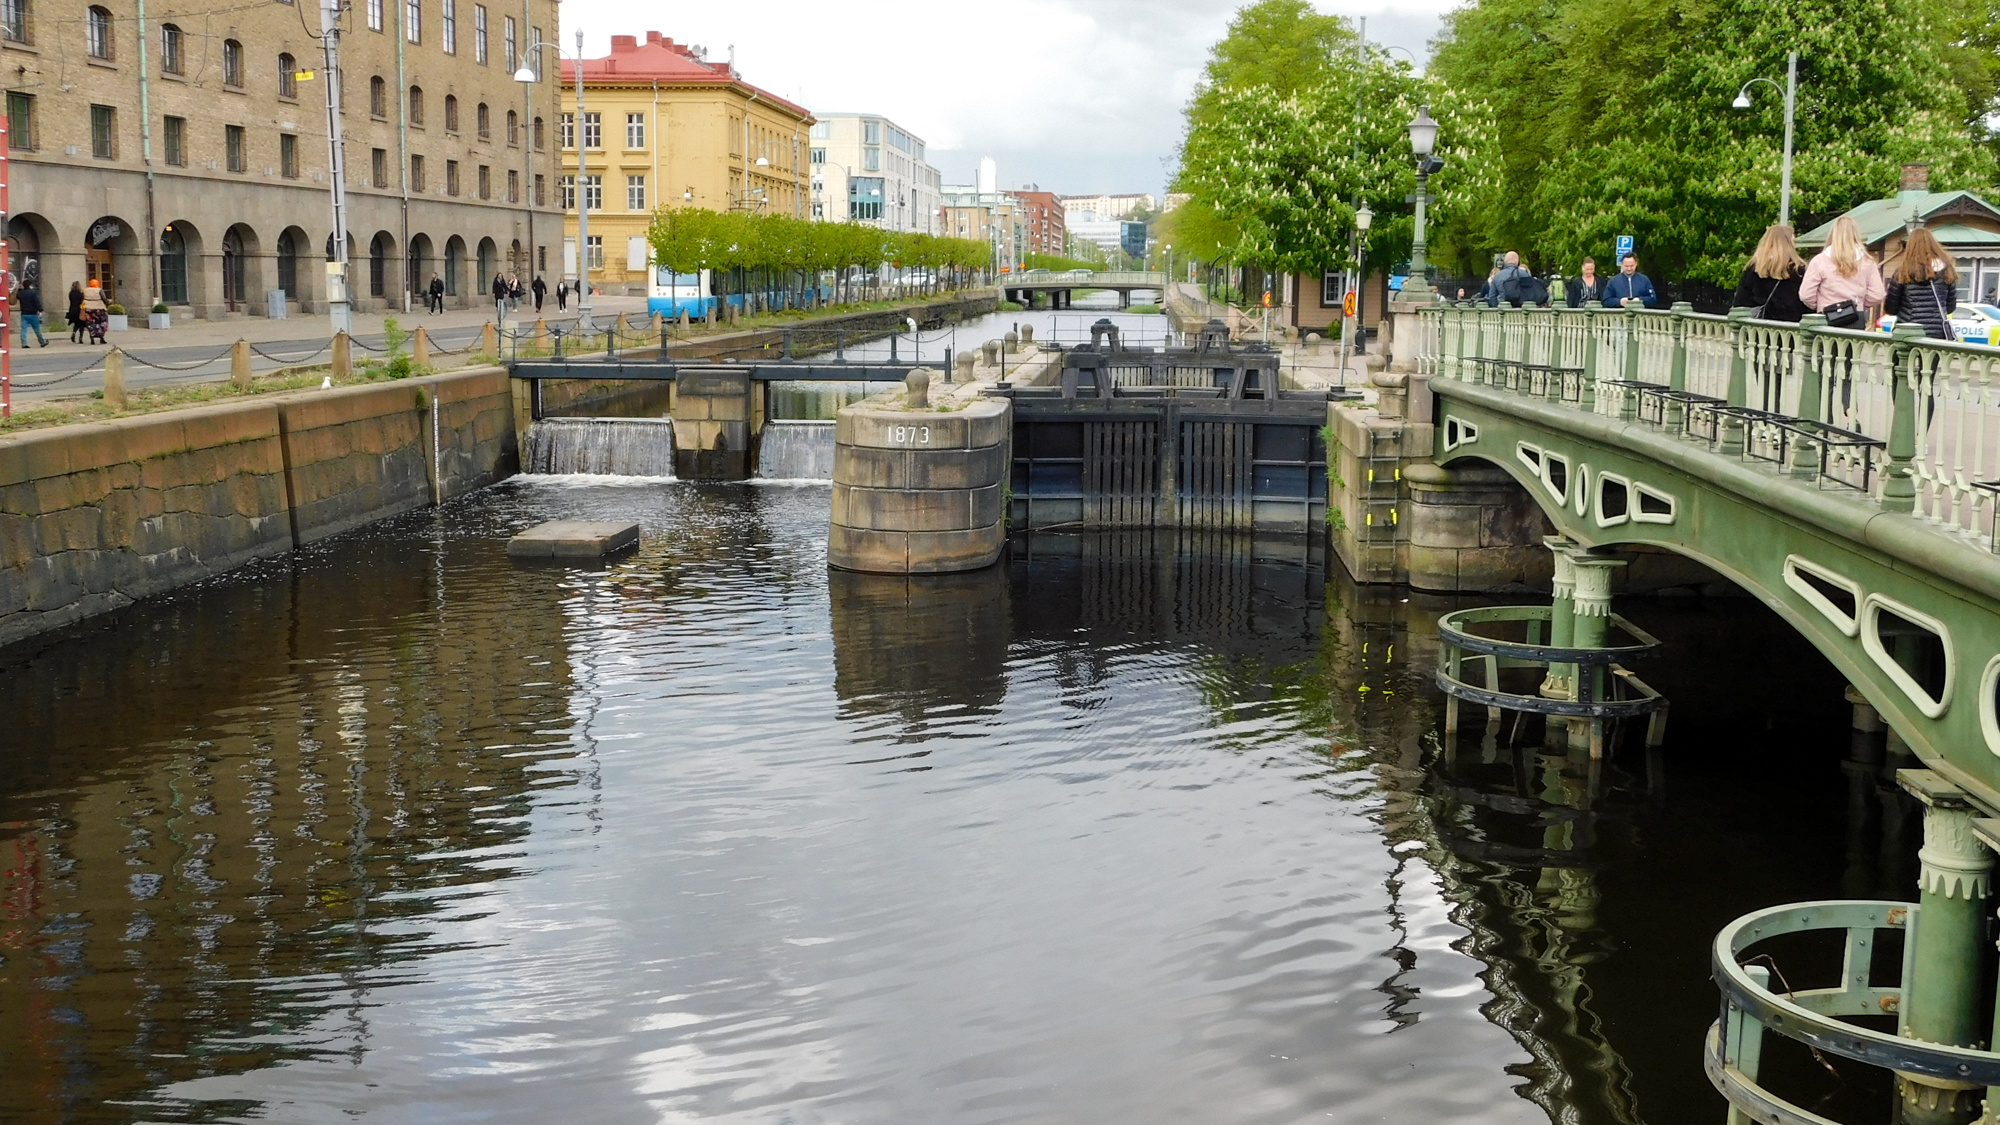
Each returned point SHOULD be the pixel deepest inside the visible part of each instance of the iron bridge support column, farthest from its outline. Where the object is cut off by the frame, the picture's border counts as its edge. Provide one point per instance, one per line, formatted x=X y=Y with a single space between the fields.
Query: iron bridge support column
x=1940 y=995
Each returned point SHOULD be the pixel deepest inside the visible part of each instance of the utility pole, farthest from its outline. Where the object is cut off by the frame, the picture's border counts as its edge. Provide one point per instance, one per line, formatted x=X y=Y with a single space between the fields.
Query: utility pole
x=583 y=321
x=339 y=312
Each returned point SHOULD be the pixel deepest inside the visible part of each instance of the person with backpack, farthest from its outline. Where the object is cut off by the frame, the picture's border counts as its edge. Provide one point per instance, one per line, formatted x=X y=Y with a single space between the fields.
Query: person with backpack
x=1770 y=283
x=1922 y=289
x=1630 y=285
x=1587 y=288
x=1496 y=285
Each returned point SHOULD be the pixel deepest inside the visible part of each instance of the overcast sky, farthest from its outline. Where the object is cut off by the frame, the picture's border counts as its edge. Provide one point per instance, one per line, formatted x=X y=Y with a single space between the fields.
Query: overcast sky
x=1076 y=96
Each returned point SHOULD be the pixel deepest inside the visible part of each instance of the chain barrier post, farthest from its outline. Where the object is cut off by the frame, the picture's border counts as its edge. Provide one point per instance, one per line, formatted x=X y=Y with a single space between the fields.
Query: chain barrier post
x=420 y=347
x=114 y=379
x=343 y=355
x=239 y=365
x=489 y=340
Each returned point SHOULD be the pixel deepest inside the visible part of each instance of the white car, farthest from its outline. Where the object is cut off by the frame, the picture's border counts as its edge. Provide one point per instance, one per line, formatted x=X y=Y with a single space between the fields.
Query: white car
x=1976 y=324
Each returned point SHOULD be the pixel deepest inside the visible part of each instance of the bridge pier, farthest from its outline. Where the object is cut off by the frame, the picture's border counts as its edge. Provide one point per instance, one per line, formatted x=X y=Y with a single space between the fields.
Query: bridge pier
x=1562 y=617
x=1940 y=1002
x=1591 y=603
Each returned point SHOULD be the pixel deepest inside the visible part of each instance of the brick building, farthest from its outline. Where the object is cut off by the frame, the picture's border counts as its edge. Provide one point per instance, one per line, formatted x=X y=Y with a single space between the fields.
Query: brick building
x=1042 y=221
x=219 y=193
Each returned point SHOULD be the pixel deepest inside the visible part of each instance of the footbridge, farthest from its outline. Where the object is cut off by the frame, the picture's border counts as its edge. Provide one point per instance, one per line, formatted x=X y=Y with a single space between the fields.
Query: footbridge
x=1847 y=479
x=1056 y=286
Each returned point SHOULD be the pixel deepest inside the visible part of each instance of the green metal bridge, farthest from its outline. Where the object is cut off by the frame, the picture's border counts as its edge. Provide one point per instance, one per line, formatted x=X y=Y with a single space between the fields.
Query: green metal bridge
x=1848 y=480
x=1057 y=285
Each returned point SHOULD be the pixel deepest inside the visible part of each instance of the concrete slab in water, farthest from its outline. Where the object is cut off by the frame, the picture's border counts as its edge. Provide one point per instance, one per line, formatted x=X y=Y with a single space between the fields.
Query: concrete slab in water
x=573 y=539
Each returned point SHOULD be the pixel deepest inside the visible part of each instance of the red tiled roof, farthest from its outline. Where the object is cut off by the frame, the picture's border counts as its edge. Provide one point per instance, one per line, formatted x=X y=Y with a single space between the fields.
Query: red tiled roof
x=663 y=60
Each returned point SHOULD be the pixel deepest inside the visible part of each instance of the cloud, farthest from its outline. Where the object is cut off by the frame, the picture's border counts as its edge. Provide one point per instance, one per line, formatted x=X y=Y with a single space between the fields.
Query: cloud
x=1078 y=96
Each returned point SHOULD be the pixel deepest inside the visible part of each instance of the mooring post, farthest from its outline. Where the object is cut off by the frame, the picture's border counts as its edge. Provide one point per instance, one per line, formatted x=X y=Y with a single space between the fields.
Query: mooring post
x=1940 y=1002
x=1805 y=366
x=1730 y=442
x=1593 y=622
x=1899 y=484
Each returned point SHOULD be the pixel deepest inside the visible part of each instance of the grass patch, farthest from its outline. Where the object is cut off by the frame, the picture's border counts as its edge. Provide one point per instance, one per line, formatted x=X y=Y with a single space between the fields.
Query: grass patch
x=1143 y=309
x=151 y=400
x=1010 y=306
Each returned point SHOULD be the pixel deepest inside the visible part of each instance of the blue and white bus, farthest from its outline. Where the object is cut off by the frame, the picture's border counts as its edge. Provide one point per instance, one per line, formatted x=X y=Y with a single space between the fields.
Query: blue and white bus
x=671 y=293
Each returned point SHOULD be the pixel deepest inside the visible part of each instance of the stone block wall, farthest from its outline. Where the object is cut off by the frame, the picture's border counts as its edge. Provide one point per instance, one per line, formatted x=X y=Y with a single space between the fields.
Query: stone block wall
x=96 y=515
x=920 y=492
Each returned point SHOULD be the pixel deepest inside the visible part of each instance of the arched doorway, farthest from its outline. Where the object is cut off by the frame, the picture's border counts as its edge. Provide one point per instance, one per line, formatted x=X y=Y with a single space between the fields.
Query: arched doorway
x=232 y=270
x=454 y=266
x=418 y=273
x=174 y=264
x=106 y=242
x=379 y=250
x=488 y=265
x=28 y=238
x=288 y=264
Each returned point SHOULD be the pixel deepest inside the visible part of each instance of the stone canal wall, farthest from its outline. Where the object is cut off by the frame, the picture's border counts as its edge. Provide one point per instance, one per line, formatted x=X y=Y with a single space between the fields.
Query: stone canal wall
x=96 y=515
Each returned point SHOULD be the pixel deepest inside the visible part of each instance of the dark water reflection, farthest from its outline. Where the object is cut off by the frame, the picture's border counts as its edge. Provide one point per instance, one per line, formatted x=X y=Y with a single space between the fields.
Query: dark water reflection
x=1128 y=828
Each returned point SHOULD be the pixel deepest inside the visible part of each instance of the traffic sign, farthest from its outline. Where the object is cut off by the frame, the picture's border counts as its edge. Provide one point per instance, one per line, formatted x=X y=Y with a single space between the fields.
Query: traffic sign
x=1625 y=243
x=1347 y=307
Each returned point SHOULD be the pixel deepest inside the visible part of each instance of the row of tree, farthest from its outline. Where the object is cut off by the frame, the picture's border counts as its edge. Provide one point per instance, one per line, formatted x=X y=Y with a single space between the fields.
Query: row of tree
x=1568 y=122
x=742 y=249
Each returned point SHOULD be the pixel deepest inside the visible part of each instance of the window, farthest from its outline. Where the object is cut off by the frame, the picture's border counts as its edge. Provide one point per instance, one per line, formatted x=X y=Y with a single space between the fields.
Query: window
x=568 y=131
x=232 y=144
x=413 y=20
x=378 y=97
x=513 y=186
x=635 y=130
x=232 y=63
x=540 y=138
x=451 y=177
x=899 y=139
x=593 y=193
x=485 y=117
x=417 y=106
x=288 y=76
x=822 y=130
x=507 y=39
x=568 y=185
x=288 y=156
x=14 y=20
x=374 y=15
x=448 y=26
x=97 y=33
x=173 y=50
x=451 y=113
x=173 y=266
x=479 y=34
x=416 y=173
x=103 y=132
x=596 y=251
x=819 y=156
x=378 y=165
x=513 y=128
x=871 y=132
x=485 y=182
x=635 y=193
x=871 y=160
x=20 y=120
x=540 y=184
x=176 y=141
x=535 y=52
x=593 y=130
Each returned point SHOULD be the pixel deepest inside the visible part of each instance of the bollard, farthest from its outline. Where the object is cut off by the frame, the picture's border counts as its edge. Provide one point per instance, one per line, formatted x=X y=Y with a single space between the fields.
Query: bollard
x=990 y=350
x=1027 y=333
x=964 y=361
x=420 y=347
x=114 y=379
x=539 y=339
x=239 y=365
x=918 y=386
x=343 y=356
x=489 y=341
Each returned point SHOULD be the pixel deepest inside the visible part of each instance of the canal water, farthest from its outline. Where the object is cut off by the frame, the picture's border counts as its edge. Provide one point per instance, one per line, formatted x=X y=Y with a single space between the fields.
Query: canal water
x=1127 y=828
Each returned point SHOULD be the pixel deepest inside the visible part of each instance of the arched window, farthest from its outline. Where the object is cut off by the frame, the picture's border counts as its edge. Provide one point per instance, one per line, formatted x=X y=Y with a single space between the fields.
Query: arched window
x=232 y=63
x=173 y=267
x=513 y=128
x=378 y=97
x=416 y=105
x=288 y=265
x=288 y=76
x=485 y=122
x=539 y=138
x=173 y=50
x=97 y=32
x=451 y=113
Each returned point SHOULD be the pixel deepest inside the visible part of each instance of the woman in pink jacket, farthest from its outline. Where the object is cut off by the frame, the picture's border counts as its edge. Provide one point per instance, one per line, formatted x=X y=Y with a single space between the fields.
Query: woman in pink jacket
x=1843 y=282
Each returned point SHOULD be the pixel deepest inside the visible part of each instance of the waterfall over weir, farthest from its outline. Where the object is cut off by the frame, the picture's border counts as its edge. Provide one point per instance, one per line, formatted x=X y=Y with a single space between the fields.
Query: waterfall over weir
x=796 y=451
x=624 y=447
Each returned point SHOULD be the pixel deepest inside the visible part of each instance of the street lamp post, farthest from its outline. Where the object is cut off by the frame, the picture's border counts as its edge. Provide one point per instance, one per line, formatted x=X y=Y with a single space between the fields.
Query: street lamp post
x=1363 y=219
x=527 y=74
x=1791 y=107
x=1423 y=139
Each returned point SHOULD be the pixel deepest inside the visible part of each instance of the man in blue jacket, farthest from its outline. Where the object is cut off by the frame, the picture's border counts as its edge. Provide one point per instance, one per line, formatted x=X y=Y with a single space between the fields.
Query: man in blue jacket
x=1630 y=284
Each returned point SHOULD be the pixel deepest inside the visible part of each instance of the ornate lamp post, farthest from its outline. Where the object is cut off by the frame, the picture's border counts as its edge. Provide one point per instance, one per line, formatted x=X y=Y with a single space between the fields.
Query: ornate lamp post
x=1363 y=219
x=1791 y=106
x=1423 y=138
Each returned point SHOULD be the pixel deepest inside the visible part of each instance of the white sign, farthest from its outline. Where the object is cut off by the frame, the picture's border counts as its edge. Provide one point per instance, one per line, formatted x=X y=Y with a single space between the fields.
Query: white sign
x=104 y=230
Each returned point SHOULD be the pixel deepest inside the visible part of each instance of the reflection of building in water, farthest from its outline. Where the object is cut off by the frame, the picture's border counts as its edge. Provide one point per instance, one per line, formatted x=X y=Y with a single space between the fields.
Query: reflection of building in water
x=914 y=645
x=208 y=863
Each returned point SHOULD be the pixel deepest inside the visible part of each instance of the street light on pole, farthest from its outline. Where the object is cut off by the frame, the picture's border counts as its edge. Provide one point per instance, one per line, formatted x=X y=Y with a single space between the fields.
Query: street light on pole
x=1791 y=110
x=1423 y=139
x=527 y=74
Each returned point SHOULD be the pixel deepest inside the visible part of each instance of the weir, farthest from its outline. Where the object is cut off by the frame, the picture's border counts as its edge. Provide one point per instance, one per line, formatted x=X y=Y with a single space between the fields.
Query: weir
x=796 y=450
x=630 y=447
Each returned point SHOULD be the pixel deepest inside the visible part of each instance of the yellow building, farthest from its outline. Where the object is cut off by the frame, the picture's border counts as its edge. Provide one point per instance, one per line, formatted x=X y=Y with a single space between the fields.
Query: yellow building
x=663 y=126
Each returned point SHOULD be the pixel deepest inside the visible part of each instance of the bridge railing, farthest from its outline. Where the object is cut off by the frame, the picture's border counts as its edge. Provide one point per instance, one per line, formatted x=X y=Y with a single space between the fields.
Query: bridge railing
x=1098 y=280
x=1910 y=422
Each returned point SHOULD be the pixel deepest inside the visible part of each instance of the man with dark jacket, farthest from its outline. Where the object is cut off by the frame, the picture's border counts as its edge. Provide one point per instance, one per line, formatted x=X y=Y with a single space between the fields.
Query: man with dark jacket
x=1630 y=285
x=29 y=300
x=1495 y=290
x=437 y=295
x=541 y=289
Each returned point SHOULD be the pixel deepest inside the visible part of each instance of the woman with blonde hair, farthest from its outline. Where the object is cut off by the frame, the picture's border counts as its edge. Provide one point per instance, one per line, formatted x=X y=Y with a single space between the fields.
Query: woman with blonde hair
x=1842 y=282
x=1770 y=283
x=1923 y=288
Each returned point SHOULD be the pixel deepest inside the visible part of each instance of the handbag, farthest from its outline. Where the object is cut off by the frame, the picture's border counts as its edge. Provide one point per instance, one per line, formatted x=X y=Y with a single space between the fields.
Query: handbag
x=1842 y=314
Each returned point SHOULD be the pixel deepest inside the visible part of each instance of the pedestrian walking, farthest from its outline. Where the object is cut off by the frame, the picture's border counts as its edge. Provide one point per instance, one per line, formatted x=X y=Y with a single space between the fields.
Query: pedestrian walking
x=437 y=295
x=29 y=300
x=1496 y=284
x=500 y=296
x=96 y=317
x=562 y=295
x=1842 y=282
x=541 y=289
x=1770 y=283
x=1630 y=285
x=1922 y=289
x=77 y=313
x=1587 y=288
x=513 y=291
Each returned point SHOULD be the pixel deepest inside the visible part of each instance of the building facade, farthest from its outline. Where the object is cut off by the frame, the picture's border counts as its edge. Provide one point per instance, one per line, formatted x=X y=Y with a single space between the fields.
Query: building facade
x=1109 y=206
x=1043 y=223
x=218 y=192
x=868 y=169
x=992 y=217
x=663 y=126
